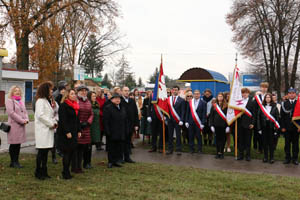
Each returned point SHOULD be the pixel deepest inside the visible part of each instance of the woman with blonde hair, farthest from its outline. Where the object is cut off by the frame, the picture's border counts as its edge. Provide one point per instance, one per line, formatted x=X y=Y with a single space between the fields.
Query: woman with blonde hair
x=18 y=119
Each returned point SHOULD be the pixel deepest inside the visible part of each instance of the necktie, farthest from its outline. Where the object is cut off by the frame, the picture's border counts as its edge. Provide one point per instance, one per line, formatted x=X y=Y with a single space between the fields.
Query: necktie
x=174 y=99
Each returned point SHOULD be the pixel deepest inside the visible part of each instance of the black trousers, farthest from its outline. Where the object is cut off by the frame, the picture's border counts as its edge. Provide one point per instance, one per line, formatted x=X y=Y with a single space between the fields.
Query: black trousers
x=42 y=159
x=156 y=130
x=268 y=141
x=114 y=150
x=83 y=153
x=194 y=131
x=207 y=133
x=257 y=141
x=67 y=158
x=172 y=125
x=244 y=141
x=14 y=152
x=220 y=139
x=291 y=138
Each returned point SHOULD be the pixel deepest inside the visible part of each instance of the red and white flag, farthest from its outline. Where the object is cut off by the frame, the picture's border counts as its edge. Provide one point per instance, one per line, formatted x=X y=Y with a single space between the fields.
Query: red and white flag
x=160 y=95
x=236 y=105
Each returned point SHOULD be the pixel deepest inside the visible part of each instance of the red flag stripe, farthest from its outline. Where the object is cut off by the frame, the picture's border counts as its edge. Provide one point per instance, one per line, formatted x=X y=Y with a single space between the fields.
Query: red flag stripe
x=173 y=111
x=194 y=114
x=220 y=112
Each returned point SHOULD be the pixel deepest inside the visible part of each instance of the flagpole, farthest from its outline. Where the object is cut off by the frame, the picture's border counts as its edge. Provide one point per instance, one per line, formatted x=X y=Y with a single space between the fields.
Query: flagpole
x=236 y=122
x=235 y=138
x=164 y=134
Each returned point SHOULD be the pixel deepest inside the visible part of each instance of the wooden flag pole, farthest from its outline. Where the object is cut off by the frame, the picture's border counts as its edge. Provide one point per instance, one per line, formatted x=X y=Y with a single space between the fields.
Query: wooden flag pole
x=235 y=138
x=164 y=138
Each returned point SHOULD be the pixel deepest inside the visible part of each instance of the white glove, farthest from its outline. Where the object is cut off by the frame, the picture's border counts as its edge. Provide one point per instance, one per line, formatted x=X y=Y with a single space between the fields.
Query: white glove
x=187 y=125
x=149 y=119
x=260 y=132
x=227 y=129
x=212 y=129
x=180 y=123
x=201 y=126
x=136 y=128
x=275 y=133
x=166 y=122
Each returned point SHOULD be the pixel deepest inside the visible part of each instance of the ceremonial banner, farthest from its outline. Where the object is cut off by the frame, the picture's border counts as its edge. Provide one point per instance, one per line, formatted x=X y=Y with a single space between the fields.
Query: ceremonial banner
x=296 y=114
x=236 y=105
x=160 y=96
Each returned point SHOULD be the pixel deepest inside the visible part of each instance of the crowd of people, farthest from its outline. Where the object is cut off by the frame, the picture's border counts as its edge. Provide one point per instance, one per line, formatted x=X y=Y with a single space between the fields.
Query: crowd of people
x=70 y=121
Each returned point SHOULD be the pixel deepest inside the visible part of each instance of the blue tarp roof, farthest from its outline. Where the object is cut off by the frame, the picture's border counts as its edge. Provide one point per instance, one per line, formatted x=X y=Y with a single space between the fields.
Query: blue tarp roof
x=217 y=76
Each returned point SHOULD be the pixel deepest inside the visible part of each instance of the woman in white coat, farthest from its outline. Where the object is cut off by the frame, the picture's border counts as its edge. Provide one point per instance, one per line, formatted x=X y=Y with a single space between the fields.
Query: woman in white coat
x=45 y=124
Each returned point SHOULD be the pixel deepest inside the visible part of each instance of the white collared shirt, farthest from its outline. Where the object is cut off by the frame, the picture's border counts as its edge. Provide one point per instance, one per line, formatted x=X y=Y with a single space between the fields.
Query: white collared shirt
x=197 y=103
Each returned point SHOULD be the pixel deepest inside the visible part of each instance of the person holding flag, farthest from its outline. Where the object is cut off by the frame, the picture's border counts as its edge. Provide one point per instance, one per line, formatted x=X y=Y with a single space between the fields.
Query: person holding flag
x=218 y=124
x=160 y=108
x=245 y=126
x=176 y=113
x=289 y=129
x=195 y=118
x=267 y=123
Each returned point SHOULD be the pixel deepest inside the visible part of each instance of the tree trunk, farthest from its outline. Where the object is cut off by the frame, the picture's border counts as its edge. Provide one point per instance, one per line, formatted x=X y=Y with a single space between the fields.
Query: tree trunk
x=23 y=52
x=295 y=64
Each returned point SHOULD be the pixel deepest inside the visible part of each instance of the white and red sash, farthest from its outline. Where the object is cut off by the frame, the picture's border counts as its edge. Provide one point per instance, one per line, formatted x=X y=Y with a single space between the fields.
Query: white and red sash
x=173 y=111
x=220 y=112
x=158 y=112
x=248 y=113
x=194 y=114
x=266 y=113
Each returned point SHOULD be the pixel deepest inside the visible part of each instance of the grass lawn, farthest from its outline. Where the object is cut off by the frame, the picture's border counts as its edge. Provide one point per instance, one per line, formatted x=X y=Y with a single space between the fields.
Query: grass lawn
x=3 y=118
x=142 y=181
x=279 y=154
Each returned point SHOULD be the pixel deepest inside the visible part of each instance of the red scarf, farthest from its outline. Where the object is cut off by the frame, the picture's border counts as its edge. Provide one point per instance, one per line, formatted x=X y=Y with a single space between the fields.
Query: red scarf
x=73 y=104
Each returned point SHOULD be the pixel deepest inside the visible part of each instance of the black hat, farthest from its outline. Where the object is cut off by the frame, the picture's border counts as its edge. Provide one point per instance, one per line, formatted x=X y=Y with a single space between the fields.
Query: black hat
x=61 y=87
x=116 y=95
x=82 y=87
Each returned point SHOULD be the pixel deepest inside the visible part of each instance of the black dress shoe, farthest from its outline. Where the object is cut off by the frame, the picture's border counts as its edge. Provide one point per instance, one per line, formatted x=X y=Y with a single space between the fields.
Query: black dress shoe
x=240 y=158
x=295 y=162
x=117 y=165
x=221 y=156
x=217 y=156
x=272 y=161
x=265 y=160
x=152 y=150
x=109 y=165
x=169 y=152
x=121 y=161
x=287 y=161
x=179 y=153
x=248 y=158
x=129 y=160
x=88 y=166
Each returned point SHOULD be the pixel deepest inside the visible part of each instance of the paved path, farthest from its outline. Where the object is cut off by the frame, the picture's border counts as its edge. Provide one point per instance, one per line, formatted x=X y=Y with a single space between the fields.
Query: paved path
x=202 y=161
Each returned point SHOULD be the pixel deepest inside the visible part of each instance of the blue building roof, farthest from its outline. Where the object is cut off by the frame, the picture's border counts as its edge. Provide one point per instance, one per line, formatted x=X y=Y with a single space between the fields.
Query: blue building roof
x=217 y=76
x=200 y=75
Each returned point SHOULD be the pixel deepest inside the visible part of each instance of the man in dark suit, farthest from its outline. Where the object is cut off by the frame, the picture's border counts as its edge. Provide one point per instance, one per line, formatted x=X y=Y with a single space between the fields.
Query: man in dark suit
x=194 y=130
x=257 y=138
x=132 y=120
x=245 y=126
x=177 y=103
x=156 y=127
x=290 y=131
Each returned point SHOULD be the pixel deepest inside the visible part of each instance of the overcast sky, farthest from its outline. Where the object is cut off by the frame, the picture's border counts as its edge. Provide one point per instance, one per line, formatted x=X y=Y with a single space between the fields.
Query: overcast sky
x=191 y=33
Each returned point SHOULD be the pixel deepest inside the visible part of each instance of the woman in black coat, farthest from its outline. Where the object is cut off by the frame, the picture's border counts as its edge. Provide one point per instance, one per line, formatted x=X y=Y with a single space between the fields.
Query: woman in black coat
x=218 y=124
x=115 y=126
x=267 y=128
x=68 y=129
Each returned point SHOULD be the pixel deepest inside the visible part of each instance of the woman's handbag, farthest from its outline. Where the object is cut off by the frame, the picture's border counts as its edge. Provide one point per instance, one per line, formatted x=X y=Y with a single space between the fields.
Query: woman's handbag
x=4 y=127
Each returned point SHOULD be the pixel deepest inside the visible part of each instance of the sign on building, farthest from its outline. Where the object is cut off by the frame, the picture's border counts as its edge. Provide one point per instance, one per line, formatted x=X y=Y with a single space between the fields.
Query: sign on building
x=79 y=73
